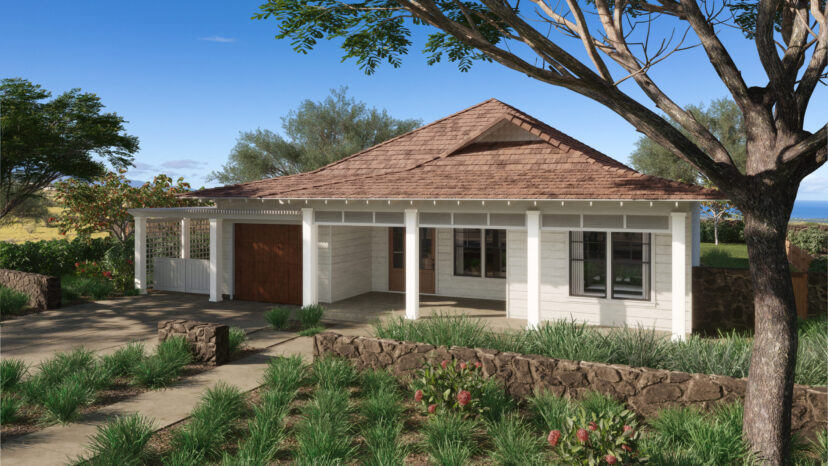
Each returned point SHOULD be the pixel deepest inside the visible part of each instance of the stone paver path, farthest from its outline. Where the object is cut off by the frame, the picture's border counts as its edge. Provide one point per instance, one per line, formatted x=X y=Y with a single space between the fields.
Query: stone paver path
x=58 y=444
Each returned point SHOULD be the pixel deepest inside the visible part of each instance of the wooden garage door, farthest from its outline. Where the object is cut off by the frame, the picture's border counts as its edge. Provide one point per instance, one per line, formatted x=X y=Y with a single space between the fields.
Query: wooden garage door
x=268 y=263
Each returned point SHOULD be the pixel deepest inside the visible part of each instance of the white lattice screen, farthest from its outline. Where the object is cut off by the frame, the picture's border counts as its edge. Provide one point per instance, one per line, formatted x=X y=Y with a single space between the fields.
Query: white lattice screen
x=163 y=240
x=199 y=239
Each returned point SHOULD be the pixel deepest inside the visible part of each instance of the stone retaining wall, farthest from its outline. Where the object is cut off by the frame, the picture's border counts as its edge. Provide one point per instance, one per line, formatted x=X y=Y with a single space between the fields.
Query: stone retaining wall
x=209 y=343
x=43 y=291
x=644 y=390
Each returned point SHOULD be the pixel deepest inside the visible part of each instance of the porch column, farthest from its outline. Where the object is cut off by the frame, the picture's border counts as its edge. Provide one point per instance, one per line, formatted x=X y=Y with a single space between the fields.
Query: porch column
x=215 y=260
x=141 y=254
x=678 y=274
x=533 y=234
x=310 y=258
x=695 y=224
x=185 y=238
x=412 y=265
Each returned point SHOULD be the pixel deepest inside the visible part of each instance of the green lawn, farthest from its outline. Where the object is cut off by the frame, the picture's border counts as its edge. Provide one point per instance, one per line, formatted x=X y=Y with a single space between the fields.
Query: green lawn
x=730 y=255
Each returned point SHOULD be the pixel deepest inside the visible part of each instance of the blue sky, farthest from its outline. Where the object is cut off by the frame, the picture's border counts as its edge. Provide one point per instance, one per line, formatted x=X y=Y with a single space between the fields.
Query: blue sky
x=189 y=76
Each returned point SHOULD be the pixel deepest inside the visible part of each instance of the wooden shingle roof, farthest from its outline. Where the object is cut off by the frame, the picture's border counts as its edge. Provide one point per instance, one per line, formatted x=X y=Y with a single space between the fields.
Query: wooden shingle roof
x=488 y=151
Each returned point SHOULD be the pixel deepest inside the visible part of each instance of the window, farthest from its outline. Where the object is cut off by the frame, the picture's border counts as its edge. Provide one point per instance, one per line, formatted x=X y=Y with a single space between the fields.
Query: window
x=588 y=263
x=480 y=253
x=629 y=266
x=495 y=253
x=467 y=260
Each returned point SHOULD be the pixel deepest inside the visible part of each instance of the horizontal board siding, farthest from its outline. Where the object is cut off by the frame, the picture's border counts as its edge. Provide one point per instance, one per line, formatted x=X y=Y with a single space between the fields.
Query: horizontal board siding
x=350 y=261
x=464 y=287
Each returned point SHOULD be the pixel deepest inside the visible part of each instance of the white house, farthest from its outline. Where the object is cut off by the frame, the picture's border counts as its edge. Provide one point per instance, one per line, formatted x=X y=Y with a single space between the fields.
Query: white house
x=486 y=203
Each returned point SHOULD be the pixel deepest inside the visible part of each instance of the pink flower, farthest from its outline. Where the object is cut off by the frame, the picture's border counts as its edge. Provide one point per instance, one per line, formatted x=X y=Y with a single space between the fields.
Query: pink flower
x=593 y=427
x=626 y=447
x=478 y=365
x=444 y=364
x=418 y=395
x=463 y=365
x=463 y=397
x=583 y=435
x=610 y=459
x=554 y=437
x=627 y=428
x=432 y=408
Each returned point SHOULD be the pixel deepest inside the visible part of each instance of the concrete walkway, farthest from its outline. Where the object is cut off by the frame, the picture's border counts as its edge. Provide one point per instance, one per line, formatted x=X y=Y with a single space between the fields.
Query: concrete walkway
x=58 y=444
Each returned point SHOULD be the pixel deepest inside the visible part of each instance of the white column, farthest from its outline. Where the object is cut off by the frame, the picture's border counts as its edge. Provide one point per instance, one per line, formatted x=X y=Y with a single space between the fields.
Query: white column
x=215 y=260
x=310 y=258
x=141 y=254
x=678 y=274
x=695 y=223
x=185 y=238
x=412 y=265
x=533 y=234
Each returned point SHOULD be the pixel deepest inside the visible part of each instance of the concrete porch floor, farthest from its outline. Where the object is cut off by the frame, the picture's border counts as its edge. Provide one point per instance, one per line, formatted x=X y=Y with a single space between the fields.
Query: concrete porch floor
x=371 y=306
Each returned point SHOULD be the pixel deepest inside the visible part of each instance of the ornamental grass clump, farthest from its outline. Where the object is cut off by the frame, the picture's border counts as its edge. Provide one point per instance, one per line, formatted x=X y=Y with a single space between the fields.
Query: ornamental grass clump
x=237 y=338
x=123 y=361
x=514 y=443
x=324 y=434
x=163 y=368
x=278 y=317
x=377 y=380
x=382 y=440
x=63 y=400
x=442 y=328
x=211 y=424
x=122 y=441
x=449 y=386
x=548 y=411
x=812 y=355
x=12 y=302
x=285 y=374
x=637 y=347
x=333 y=373
x=266 y=431
x=567 y=339
x=9 y=407
x=310 y=315
x=450 y=438
x=12 y=372
x=729 y=355
x=382 y=406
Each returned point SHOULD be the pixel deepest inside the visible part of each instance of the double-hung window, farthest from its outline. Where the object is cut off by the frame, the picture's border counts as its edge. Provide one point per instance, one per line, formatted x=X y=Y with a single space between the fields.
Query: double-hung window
x=480 y=253
x=605 y=264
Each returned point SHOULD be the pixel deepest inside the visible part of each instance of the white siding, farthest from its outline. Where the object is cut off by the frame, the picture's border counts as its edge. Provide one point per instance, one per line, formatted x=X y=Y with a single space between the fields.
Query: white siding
x=464 y=287
x=379 y=259
x=350 y=262
x=516 y=274
x=324 y=242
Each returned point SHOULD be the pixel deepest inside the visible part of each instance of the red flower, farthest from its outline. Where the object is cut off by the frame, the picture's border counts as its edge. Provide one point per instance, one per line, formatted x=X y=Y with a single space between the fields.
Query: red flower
x=77 y=264
x=432 y=408
x=129 y=261
x=478 y=365
x=463 y=397
x=444 y=364
x=554 y=437
x=626 y=447
x=418 y=395
x=583 y=435
x=463 y=365
x=627 y=428
x=610 y=459
x=593 y=427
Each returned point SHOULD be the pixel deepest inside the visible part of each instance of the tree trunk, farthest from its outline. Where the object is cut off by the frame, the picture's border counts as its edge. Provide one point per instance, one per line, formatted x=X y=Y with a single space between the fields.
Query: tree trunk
x=716 y=230
x=767 y=421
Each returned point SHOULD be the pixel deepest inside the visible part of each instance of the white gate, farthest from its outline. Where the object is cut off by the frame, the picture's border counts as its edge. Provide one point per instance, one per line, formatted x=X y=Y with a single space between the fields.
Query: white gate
x=183 y=275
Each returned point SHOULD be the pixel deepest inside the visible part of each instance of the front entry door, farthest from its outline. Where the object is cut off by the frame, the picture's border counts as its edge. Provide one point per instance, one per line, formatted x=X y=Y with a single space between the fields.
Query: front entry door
x=396 y=259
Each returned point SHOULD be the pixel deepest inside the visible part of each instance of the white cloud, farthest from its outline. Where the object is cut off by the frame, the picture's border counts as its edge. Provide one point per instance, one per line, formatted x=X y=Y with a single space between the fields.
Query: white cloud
x=183 y=163
x=815 y=186
x=220 y=39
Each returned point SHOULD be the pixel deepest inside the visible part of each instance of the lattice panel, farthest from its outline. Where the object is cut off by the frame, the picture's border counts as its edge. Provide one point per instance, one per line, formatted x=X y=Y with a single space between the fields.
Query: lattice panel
x=163 y=240
x=199 y=239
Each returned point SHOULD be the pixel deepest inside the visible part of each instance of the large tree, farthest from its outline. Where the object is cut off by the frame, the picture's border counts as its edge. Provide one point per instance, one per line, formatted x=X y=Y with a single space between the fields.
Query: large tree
x=43 y=140
x=614 y=48
x=317 y=133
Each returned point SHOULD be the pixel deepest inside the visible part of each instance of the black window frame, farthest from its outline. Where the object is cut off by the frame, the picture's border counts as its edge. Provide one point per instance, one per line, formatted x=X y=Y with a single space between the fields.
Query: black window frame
x=584 y=260
x=483 y=262
x=648 y=245
x=609 y=292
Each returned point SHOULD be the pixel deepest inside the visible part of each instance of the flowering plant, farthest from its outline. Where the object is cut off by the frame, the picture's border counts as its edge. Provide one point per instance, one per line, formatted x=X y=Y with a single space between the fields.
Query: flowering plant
x=90 y=269
x=449 y=385
x=592 y=439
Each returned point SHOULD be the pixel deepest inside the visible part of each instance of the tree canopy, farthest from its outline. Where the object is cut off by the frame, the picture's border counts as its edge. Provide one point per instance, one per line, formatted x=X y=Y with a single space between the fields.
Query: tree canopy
x=317 y=133
x=600 y=48
x=43 y=140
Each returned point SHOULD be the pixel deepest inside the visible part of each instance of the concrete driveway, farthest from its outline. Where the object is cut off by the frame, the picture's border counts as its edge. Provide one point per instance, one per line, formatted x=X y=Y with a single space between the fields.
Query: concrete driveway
x=108 y=324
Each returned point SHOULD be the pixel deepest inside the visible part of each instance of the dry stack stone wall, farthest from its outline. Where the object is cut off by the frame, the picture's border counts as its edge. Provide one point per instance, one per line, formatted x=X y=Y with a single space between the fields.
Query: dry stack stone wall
x=643 y=390
x=43 y=291
x=209 y=343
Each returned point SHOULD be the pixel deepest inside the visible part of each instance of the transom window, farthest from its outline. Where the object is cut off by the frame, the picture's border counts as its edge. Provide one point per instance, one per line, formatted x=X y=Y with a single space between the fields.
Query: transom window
x=628 y=267
x=479 y=253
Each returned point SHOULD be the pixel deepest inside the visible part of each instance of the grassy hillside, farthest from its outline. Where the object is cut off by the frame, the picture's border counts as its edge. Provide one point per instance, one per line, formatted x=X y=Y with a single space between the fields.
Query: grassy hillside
x=27 y=229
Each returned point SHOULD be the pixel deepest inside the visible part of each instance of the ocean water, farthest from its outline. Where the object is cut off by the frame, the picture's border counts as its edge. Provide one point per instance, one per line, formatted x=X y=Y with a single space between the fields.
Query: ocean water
x=810 y=210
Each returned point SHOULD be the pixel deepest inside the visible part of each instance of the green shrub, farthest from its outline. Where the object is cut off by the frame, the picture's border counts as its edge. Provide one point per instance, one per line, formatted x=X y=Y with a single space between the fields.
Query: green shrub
x=323 y=435
x=311 y=331
x=11 y=373
x=820 y=264
x=237 y=337
x=382 y=441
x=514 y=444
x=54 y=258
x=730 y=231
x=310 y=315
x=123 y=361
x=122 y=441
x=12 y=301
x=278 y=317
x=285 y=373
x=332 y=373
x=812 y=239
x=589 y=438
x=118 y=261
x=548 y=410
x=9 y=405
x=211 y=423
x=449 y=386
x=73 y=287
